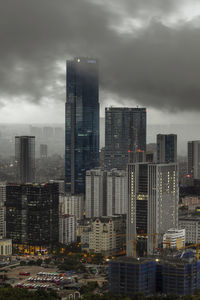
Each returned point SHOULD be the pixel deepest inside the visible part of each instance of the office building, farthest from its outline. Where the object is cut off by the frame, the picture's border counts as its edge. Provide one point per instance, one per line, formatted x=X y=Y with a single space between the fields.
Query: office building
x=32 y=214
x=43 y=151
x=125 y=132
x=72 y=205
x=166 y=148
x=82 y=122
x=153 y=196
x=95 y=198
x=116 y=192
x=61 y=185
x=105 y=235
x=67 y=229
x=194 y=159
x=25 y=158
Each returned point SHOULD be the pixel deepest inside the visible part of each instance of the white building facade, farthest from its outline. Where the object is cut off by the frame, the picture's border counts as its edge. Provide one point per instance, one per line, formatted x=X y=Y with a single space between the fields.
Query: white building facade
x=72 y=205
x=116 y=192
x=174 y=238
x=67 y=229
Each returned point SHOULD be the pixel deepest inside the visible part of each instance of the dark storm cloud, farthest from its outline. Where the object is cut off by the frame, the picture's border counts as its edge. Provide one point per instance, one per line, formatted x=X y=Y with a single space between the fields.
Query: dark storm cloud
x=154 y=65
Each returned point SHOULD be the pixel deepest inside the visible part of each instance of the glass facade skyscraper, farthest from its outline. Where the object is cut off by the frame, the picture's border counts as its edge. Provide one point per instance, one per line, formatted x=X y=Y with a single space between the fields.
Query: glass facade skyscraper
x=166 y=148
x=81 y=122
x=125 y=133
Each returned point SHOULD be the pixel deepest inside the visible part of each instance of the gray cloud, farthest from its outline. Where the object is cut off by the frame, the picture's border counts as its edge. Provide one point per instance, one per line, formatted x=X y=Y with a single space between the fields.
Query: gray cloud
x=153 y=63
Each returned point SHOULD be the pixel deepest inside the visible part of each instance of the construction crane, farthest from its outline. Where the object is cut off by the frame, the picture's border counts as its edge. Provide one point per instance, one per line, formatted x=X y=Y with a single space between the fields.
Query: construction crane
x=193 y=245
x=134 y=241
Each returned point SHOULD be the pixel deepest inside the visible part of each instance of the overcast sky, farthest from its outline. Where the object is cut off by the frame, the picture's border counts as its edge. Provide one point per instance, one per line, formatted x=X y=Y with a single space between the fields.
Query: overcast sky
x=149 y=52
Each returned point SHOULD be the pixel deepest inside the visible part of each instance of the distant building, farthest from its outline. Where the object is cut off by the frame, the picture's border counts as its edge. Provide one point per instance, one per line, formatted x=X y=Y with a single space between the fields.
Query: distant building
x=166 y=148
x=191 y=202
x=32 y=214
x=174 y=238
x=5 y=247
x=43 y=151
x=81 y=122
x=194 y=159
x=25 y=158
x=67 y=229
x=125 y=131
x=2 y=210
x=48 y=132
x=59 y=132
x=105 y=235
x=72 y=205
x=153 y=195
x=191 y=224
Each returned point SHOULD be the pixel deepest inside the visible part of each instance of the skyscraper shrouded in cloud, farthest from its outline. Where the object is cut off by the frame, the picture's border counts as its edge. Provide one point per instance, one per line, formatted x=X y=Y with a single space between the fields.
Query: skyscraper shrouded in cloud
x=81 y=122
x=125 y=132
x=25 y=158
x=166 y=148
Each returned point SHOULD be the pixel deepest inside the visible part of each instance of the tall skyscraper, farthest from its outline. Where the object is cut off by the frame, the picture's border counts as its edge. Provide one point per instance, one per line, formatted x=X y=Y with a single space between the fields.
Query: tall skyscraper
x=81 y=122
x=153 y=196
x=166 y=148
x=125 y=132
x=194 y=159
x=25 y=158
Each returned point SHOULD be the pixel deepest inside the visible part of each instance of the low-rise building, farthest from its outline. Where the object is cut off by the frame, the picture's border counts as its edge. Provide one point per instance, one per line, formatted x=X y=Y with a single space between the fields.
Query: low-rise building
x=5 y=247
x=105 y=235
x=174 y=238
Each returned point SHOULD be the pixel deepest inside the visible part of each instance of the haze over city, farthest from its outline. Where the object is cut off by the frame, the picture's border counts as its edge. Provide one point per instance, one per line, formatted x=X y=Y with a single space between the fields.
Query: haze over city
x=99 y=149
x=148 y=52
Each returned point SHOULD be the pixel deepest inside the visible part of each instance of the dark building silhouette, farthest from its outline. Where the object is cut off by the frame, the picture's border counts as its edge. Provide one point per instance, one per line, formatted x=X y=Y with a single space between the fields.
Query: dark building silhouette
x=81 y=121
x=25 y=158
x=125 y=133
x=32 y=214
x=166 y=148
